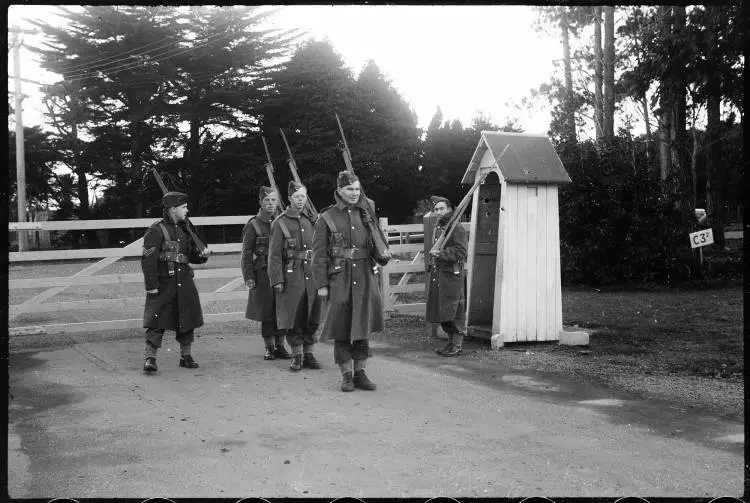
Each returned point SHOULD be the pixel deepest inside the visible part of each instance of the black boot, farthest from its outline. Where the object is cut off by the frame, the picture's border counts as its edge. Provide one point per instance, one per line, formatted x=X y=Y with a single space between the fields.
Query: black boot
x=362 y=382
x=445 y=348
x=188 y=362
x=296 y=363
x=309 y=362
x=454 y=350
x=150 y=365
x=348 y=383
x=270 y=353
x=281 y=353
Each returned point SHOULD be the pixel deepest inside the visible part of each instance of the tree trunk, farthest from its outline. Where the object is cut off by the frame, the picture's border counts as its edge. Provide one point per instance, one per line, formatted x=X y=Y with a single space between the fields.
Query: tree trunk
x=570 y=120
x=679 y=144
x=598 y=59
x=644 y=104
x=665 y=158
x=694 y=167
x=609 y=71
x=714 y=170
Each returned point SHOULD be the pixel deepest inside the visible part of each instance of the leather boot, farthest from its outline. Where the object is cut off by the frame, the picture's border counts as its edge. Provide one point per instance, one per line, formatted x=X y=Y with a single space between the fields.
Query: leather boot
x=445 y=348
x=281 y=353
x=362 y=382
x=348 y=382
x=269 y=353
x=188 y=362
x=454 y=350
x=150 y=365
x=309 y=362
x=296 y=363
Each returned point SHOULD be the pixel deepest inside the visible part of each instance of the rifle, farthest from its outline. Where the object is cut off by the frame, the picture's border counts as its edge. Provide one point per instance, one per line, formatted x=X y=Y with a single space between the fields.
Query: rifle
x=454 y=220
x=269 y=172
x=383 y=254
x=310 y=210
x=189 y=225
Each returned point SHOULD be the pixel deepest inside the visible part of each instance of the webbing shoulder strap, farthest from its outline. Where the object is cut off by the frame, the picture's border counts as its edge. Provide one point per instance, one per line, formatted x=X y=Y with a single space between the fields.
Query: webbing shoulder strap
x=329 y=222
x=164 y=231
x=258 y=230
x=284 y=229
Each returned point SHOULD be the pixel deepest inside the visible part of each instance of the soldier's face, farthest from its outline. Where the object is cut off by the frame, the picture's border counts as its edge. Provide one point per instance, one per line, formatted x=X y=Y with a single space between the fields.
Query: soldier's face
x=180 y=212
x=350 y=193
x=270 y=202
x=298 y=199
x=441 y=209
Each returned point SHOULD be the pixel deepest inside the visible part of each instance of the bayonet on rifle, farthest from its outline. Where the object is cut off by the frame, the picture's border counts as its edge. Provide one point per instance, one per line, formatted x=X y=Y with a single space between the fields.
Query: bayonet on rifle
x=189 y=225
x=312 y=213
x=269 y=172
x=345 y=150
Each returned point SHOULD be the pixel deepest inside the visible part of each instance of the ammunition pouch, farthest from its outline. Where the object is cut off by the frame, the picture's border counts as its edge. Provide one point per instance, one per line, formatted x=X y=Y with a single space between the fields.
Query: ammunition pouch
x=170 y=253
x=260 y=260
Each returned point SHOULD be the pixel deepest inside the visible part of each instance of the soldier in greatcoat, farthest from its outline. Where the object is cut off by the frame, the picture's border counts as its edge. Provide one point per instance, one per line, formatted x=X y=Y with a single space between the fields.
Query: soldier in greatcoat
x=446 y=302
x=344 y=269
x=298 y=308
x=261 y=305
x=172 y=301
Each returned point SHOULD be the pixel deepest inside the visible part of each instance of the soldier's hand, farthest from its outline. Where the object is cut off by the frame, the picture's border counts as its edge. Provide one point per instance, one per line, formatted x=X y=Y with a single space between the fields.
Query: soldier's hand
x=206 y=252
x=279 y=287
x=250 y=283
x=152 y=292
x=435 y=253
x=323 y=291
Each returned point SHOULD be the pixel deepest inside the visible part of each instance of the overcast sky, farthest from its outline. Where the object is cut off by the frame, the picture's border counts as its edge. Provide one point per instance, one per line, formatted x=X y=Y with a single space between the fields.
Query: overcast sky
x=465 y=59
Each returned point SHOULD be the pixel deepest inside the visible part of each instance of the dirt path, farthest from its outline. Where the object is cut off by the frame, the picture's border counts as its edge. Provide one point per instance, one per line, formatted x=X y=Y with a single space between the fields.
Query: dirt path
x=85 y=422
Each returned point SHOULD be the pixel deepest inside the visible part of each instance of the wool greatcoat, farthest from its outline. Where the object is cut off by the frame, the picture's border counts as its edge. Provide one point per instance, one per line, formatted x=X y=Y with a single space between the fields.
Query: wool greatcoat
x=355 y=306
x=445 y=298
x=177 y=305
x=254 y=265
x=298 y=306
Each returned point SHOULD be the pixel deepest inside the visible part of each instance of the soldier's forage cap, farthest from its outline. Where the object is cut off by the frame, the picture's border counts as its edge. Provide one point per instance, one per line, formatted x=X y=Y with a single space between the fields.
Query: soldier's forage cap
x=346 y=178
x=171 y=199
x=440 y=199
x=264 y=191
x=294 y=187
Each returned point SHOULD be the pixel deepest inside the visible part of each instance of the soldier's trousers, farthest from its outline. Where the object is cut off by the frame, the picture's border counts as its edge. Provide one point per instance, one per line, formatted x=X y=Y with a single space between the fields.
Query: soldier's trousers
x=154 y=336
x=451 y=327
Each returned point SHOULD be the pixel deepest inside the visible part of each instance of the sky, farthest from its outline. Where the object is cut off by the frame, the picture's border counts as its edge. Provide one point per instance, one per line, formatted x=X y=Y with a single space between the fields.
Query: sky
x=465 y=59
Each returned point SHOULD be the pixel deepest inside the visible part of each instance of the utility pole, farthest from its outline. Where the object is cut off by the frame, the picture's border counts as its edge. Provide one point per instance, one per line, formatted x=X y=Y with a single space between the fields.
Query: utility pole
x=20 y=155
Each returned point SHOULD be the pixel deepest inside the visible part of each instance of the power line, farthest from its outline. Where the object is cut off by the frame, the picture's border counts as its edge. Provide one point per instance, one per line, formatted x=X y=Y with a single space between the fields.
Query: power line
x=98 y=62
x=156 y=58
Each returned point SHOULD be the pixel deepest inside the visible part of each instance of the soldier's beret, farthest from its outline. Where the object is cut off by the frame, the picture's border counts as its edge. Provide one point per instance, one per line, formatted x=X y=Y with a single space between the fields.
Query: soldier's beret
x=440 y=199
x=294 y=187
x=346 y=178
x=264 y=191
x=171 y=199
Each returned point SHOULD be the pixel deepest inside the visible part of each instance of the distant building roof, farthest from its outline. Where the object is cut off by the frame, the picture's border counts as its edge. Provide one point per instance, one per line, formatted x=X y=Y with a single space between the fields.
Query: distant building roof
x=520 y=157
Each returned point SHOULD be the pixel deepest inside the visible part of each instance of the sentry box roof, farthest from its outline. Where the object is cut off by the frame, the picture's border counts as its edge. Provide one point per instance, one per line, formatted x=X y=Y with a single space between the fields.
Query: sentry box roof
x=520 y=157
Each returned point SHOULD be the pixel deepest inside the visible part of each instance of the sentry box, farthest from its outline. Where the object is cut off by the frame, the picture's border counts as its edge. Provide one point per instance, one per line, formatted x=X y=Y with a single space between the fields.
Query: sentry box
x=514 y=292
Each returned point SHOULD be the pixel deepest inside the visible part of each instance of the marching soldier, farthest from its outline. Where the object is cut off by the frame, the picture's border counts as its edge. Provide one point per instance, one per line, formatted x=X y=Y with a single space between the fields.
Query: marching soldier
x=172 y=301
x=298 y=308
x=343 y=265
x=254 y=263
x=446 y=303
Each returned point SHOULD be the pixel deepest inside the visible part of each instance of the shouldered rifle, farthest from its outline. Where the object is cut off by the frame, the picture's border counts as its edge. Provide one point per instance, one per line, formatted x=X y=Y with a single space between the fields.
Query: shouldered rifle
x=383 y=254
x=188 y=224
x=269 y=172
x=312 y=213
x=456 y=217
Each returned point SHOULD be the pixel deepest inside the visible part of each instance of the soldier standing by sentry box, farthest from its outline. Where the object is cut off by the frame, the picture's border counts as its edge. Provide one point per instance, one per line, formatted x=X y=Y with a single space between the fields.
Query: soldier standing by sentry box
x=344 y=259
x=446 y=298
x=298 y=308
x=172 y=301
x=261 y=305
